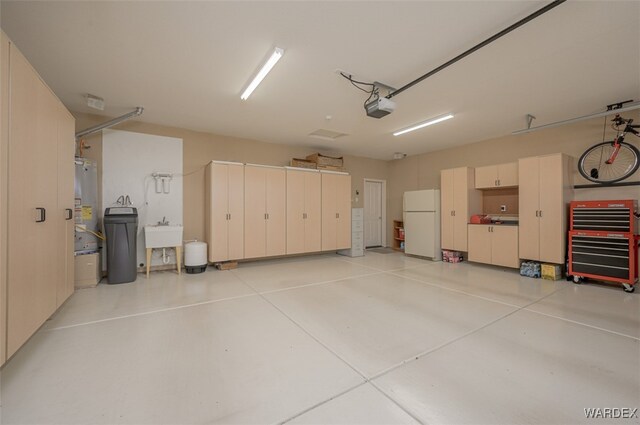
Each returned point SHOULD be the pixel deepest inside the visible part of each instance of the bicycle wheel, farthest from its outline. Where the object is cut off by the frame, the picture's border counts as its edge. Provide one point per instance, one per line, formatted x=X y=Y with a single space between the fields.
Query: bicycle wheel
x=593 y=167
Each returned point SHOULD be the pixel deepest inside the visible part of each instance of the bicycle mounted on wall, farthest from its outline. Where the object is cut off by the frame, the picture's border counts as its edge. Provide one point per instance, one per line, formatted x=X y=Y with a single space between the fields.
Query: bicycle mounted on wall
x=612 y=161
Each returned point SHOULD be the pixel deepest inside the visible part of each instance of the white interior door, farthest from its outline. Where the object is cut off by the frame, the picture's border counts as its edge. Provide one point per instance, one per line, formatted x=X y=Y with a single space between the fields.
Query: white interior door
x=372 y=213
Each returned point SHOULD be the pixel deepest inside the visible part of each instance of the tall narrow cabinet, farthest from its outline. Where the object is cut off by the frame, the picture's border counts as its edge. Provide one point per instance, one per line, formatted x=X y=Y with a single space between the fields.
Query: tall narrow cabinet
x=545 y=191
x=37 y=177
x=303 y=211
x=224 y=206
x=265 y=211
x=336 y=210
x=459 y=200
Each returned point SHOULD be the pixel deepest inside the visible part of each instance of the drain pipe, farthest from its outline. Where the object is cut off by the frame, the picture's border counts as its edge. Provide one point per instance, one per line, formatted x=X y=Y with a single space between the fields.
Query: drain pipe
x=138 y=111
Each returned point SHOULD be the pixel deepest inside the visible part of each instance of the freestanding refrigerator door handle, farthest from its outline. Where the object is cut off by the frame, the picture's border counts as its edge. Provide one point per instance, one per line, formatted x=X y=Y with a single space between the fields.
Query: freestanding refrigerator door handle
x=43 y=215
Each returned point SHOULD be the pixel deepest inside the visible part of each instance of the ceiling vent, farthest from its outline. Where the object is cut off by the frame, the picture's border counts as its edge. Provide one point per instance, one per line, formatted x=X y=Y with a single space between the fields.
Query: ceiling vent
x=326 y=134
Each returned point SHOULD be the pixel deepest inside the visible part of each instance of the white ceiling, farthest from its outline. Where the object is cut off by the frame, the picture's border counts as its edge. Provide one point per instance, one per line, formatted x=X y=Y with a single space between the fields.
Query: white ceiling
x=188 y=62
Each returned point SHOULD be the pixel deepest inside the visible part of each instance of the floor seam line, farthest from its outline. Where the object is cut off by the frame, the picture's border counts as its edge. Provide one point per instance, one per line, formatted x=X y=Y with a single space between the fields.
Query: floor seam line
x=583 y=324
x=447 y=343
x=324 y=282
x=326 y=347
x=146 y=313
x=457 y=290
x=396 y=402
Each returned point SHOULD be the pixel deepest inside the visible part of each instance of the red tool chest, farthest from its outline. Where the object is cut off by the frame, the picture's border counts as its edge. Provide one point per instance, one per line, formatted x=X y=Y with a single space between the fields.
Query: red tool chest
x=603 y=241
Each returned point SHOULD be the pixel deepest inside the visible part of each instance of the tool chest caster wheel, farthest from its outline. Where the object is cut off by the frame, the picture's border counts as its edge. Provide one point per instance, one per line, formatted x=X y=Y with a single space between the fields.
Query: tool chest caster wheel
x=629 y=288
x=577 y=279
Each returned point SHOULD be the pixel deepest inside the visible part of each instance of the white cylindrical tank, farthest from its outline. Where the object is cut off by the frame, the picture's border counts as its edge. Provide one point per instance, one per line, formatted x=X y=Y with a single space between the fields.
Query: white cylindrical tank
x=195 y=257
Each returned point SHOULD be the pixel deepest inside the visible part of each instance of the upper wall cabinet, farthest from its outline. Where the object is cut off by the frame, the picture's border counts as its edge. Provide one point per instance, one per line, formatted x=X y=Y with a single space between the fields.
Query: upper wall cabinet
x=494 y=176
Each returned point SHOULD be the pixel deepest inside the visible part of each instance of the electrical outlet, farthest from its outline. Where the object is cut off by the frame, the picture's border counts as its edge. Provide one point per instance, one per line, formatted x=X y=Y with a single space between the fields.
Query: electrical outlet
x=503 y=208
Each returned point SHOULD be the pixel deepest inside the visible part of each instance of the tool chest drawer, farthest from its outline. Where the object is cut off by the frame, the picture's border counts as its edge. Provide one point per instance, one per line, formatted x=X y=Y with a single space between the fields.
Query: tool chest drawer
x=602 y=254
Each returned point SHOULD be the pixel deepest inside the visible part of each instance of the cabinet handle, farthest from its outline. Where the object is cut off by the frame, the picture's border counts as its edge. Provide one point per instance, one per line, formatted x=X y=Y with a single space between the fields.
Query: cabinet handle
x=267 y=216
x=540 y=213
x=43 y=215
x=69 y=212
x=337 y=215
x=536 y=213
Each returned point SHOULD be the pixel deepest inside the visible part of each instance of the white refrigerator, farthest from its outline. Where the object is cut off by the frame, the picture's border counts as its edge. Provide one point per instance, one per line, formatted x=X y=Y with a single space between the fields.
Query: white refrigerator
x=421 y=215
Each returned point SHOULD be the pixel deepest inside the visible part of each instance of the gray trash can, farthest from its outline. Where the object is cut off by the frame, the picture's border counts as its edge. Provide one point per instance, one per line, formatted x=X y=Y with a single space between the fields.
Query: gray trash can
x=121 y=228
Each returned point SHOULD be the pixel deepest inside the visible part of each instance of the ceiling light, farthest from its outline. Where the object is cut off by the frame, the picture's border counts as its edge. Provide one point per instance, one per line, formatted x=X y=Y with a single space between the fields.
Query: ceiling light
x=270 y=63
x=424 y=124
x=95 y=102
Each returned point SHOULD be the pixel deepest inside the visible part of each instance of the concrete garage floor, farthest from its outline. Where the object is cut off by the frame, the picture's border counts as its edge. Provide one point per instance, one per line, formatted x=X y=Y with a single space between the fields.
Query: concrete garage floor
x=329 y=339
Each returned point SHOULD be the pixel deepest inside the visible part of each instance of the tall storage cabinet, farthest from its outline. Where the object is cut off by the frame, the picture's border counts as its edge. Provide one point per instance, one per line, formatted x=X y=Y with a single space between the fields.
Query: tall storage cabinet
x=265 y=211
x=303 y=211
x=459 y=200
x=224 y=206
x=545 y=191
x=4 y=165
x=336 y=211
x=37 y=203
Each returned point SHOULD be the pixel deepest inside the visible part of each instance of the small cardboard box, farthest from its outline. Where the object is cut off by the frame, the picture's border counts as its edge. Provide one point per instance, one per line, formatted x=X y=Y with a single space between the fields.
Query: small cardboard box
x=228 y=265
x=303 y=163
x=551 y=271
x=320 y=159
x=87 y=270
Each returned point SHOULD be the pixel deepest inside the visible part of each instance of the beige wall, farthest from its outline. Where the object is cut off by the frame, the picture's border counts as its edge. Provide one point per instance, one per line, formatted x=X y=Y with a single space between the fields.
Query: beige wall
x=423 y=171
x=200 y=148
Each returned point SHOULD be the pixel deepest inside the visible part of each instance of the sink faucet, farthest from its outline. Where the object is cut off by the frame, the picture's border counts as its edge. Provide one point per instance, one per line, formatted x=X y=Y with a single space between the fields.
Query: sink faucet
x=164 y=222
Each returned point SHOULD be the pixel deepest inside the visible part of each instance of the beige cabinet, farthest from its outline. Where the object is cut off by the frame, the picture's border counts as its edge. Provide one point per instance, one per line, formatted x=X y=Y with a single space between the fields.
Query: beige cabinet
x=544 y=193
x=303 y=211
x=459 y=200
x=494 y=176
x=265 y=211
x=494 y=244
x=336 y=211
x=224 y=205
x=4 y=165
x=37 y=148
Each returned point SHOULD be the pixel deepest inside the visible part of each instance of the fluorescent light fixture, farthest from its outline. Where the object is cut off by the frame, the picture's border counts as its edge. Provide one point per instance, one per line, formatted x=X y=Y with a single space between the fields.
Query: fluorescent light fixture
x=424 y=124
x=271 y=62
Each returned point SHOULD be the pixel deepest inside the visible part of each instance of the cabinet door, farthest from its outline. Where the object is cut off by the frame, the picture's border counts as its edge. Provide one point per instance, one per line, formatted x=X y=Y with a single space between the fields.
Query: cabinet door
x=313 y=209
x=461 y=189
x=446 y=204
x=552 y=207
x=4 y=141
x=218 y=237
x=64 y=219
x=295 y=211
x=32 y=184
x=479 y=243
x=504 y=246
x=255 y=240
x=236 y=211
x=486 y=177
x=528 y=205
x=276 y=211
x=507 y=174
x=329 y=211
x=343 y=206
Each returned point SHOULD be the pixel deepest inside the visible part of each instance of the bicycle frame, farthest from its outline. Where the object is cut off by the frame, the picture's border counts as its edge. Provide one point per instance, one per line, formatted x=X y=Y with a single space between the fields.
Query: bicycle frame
x=620 y=138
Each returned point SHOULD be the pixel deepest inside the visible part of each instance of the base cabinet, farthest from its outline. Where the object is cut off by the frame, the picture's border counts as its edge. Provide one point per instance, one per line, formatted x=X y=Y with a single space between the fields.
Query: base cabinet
x=37 y=146
x=494 y=244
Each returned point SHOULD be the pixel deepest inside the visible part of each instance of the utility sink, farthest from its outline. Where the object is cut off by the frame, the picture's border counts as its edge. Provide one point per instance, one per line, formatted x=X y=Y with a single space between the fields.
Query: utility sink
x=160 y=236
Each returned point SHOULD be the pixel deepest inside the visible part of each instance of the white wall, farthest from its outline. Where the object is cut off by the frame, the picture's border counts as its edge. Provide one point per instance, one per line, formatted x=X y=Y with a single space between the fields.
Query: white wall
x=128 y=160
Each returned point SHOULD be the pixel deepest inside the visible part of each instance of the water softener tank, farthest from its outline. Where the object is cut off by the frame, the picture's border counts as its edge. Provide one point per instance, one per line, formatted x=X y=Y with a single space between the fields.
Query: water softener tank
x=195 y=257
